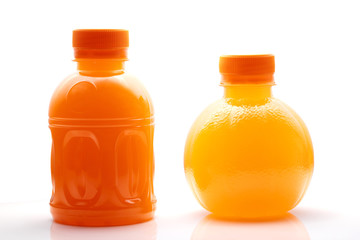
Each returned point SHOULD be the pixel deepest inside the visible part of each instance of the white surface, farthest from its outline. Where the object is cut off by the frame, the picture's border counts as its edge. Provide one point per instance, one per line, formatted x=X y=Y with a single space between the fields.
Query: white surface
x=174 y=50
x=32 y=221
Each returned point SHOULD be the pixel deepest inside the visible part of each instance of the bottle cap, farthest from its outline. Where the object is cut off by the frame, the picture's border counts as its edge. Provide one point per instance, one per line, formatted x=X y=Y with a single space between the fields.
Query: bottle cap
x=247 y=69
x=100 y=43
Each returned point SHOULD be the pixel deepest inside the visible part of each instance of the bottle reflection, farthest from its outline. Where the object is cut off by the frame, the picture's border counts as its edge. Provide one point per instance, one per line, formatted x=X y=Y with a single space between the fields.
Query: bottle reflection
x=142 y=231
x=285 y=228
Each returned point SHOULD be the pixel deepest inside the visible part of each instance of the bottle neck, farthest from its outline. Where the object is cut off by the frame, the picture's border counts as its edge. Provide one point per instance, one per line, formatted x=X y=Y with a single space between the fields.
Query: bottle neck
x=100 y=67
x=250 y=92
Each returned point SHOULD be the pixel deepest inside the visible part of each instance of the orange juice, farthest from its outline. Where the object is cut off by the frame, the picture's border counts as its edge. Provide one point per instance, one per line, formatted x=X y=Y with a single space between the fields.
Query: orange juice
x=102 y=126
x=248 y=155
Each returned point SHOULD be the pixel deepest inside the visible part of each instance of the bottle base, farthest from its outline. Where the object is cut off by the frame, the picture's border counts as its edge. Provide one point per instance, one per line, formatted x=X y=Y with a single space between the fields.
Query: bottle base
x=250 y=218
x=100 y=218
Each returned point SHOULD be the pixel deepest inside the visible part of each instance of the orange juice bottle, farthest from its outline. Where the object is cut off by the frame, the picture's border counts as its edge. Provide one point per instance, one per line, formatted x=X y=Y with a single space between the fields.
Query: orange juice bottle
x=102 y=126
x=248 y=155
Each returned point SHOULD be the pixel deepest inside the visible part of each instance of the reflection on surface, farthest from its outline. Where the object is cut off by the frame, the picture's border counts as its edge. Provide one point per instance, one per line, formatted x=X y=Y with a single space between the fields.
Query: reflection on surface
x=142 y=231
x=285 y=228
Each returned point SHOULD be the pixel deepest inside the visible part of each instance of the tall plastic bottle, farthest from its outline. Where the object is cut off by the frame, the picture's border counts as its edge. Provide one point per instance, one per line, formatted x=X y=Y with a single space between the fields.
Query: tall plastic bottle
x=102 y=124
x=248 y=155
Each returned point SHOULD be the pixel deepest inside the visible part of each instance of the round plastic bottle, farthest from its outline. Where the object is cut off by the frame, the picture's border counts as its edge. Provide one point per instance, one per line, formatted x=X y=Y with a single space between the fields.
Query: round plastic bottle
x=248 y=155
x=102 y=126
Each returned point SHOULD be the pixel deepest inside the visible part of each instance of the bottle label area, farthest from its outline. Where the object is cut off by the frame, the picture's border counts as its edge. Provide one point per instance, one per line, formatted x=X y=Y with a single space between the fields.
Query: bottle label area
x=102 y=164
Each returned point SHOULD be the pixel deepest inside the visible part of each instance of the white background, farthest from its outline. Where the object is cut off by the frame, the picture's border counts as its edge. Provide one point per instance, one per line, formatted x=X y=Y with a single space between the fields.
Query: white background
x=174 y=50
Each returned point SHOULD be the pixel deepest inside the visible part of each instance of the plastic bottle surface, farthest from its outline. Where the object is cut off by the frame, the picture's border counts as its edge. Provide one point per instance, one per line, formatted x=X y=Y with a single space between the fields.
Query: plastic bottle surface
x=102 y=127
x=248 y=155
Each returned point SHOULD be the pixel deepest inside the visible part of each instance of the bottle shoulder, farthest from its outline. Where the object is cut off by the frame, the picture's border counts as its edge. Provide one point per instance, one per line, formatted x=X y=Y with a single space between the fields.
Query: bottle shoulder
x=232 y=113
x=223 y=123
x=117 y=96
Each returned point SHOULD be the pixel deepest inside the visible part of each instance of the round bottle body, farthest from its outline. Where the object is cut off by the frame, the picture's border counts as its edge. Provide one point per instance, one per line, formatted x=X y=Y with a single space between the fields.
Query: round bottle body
x=102 y=159
x=248 y=156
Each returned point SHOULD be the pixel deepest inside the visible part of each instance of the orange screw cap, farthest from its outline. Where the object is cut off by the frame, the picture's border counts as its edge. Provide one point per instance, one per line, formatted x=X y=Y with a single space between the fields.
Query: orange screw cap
x=247 y=69
x=100 y=43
